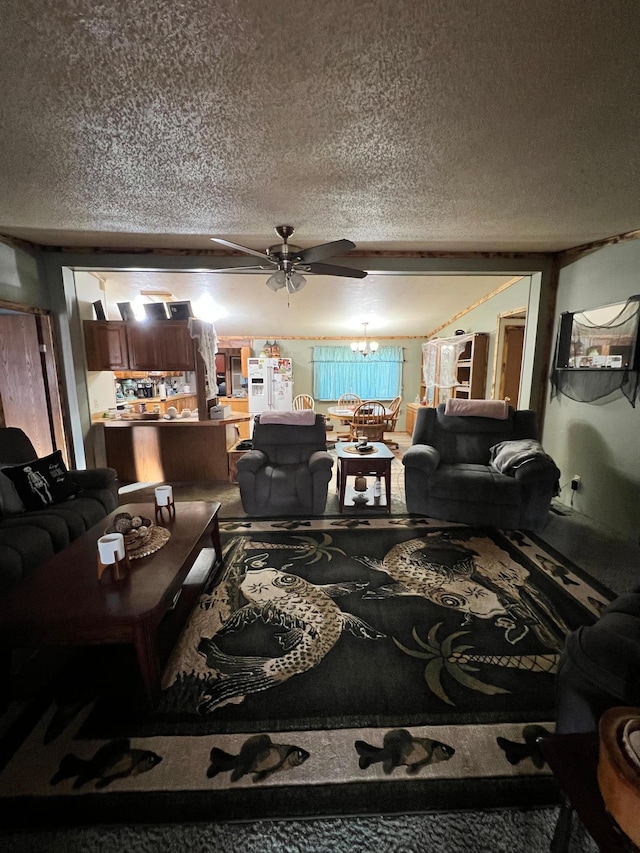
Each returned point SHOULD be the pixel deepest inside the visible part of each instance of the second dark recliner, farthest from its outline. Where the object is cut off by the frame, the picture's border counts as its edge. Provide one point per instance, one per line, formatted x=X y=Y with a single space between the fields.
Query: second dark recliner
x=452 y=474
x=288 y=471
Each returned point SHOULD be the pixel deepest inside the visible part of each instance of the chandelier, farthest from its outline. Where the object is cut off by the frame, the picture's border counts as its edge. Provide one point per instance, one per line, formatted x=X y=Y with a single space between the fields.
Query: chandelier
x=366 y=346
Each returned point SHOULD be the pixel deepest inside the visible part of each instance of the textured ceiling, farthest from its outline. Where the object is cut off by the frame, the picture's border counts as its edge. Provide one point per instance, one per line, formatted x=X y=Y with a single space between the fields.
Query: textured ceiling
x=393 y=306
x=429 y=125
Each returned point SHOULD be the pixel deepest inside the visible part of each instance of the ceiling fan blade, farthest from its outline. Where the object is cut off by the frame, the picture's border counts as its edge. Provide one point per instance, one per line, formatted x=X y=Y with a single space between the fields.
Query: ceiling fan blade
x=242 y=268
x=326 y=250
x=331 y=269
x=239 y=248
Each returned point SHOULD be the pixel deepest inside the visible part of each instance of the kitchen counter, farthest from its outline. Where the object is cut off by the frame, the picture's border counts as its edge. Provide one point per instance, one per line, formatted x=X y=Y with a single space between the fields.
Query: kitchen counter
x=124 y=421
x=175 y=451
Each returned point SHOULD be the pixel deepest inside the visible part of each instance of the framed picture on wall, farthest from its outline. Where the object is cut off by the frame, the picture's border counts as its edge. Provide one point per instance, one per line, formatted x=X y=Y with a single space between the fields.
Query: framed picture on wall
x=98 y=307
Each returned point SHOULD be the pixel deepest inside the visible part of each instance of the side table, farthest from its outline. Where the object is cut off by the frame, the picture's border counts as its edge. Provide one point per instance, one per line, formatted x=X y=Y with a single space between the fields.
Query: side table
x=573 y=758
x=377 y=464
x=233 y=454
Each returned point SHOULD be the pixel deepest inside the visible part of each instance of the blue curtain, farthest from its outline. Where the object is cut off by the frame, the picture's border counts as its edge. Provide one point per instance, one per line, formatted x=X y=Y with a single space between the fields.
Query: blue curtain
x=338 y=370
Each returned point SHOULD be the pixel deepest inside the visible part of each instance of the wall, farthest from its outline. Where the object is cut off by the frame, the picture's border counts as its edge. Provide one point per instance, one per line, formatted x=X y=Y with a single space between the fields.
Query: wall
x=100 y=385
x=19 y=281
x=484 y=318
x=301 y=351
x=599 y=441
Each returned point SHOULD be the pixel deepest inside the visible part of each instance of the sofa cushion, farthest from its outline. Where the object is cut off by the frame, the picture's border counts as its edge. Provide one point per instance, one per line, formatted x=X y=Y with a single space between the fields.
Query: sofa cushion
x=474 y=483
x=42 y=482
x=10 y=502
x=22 y=549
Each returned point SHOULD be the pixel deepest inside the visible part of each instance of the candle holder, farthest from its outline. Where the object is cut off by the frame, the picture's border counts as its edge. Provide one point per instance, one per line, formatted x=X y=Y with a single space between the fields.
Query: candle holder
x=164 y=501
x=119 y=568
x=112 y=555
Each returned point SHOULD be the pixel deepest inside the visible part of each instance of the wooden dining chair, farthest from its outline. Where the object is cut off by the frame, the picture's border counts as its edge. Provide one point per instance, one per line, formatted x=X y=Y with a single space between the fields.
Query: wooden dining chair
x=370 y=419
x=303 y=401
x=346 y=401
x=392 y=419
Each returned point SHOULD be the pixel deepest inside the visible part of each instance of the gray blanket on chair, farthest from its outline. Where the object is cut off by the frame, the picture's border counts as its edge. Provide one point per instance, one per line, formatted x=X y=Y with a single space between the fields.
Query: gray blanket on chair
x=507 y=456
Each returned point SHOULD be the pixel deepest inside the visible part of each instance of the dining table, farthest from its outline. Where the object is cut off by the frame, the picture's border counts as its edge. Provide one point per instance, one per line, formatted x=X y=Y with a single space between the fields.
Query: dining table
x=343 y=413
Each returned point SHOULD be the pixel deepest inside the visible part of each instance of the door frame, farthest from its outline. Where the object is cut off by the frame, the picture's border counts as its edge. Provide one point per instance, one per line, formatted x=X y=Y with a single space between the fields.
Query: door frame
x=51 y=378
x=513 y=317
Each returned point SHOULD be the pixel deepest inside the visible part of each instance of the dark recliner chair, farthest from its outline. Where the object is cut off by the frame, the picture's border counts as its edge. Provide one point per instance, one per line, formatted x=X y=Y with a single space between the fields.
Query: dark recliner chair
x=288 y=471
x=600 y=667
x=449 y=473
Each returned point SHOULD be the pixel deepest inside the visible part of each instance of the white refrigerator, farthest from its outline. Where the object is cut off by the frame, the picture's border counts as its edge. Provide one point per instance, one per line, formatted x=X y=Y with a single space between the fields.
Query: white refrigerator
x=270 y=385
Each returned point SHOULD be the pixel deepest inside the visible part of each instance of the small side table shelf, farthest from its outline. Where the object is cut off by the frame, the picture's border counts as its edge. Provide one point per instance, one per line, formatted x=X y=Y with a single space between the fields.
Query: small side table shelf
x=233 y=454
x=374 y=464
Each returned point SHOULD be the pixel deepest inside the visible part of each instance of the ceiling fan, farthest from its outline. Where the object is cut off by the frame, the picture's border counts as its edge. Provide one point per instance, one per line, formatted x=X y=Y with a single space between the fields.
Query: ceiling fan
x=291 y=261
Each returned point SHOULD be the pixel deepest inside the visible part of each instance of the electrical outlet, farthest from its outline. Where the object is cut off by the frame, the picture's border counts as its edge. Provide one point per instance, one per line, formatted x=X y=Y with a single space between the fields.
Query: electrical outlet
x=575 y=482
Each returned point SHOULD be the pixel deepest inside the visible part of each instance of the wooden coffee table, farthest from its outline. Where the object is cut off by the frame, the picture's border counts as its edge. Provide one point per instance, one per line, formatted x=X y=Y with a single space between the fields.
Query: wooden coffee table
x=62 y=602
x=376 y=463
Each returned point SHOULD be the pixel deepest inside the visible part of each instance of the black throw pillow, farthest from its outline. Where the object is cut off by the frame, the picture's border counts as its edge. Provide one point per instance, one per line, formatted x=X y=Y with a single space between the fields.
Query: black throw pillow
x=43 y=481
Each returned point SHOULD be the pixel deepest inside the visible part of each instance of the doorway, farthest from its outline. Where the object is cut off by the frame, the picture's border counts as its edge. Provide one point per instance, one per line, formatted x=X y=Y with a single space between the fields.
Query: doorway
x=508 y=359
x=29 y=388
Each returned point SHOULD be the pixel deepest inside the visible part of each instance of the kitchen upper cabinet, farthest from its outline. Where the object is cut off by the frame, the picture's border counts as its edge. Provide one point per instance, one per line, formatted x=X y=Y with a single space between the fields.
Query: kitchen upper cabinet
x=120 y=345
x=160 y=346
x=106 y=345
x=144 y=346
x=177 y=346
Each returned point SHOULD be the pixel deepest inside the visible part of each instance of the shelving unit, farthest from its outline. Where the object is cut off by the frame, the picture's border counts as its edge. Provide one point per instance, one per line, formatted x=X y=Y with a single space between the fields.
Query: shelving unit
x=454 y=367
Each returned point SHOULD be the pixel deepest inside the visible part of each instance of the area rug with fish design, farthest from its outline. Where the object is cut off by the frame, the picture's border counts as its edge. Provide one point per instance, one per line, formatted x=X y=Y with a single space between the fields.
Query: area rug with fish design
x=332 y=666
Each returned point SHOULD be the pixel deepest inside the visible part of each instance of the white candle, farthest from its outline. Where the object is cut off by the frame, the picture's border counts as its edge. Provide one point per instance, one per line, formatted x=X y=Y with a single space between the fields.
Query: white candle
x=164 y=495
x=111 y=548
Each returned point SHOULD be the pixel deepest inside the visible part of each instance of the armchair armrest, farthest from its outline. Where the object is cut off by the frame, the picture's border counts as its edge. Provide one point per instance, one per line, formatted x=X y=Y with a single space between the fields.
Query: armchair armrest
x=94 y=478
x=538 y=468
x=320 y=460
x=422 y=456
x=251 y=461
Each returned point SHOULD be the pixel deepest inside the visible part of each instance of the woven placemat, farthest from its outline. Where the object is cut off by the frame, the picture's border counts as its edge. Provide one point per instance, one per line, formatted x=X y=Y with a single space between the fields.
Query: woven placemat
x=158 y=536
x=357 y=452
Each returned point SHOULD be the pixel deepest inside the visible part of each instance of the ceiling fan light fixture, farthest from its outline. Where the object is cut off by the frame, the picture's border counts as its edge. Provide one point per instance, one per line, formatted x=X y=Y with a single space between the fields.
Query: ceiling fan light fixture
x=295 y=282
x=277 y=281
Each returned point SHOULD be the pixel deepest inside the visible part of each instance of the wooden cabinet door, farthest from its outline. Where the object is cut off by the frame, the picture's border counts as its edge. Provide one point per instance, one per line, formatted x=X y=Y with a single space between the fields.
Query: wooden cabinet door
x=177 y=346
x=106 y=345
x=144 y=346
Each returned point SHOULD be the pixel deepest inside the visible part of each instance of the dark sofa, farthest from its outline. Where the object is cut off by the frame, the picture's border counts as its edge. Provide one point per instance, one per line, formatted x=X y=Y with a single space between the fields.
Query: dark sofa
x=451 y=472
x=29 y=537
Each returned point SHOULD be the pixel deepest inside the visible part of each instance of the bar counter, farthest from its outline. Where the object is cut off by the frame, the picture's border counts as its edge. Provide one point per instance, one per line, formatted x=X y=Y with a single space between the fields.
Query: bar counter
x=175 y=451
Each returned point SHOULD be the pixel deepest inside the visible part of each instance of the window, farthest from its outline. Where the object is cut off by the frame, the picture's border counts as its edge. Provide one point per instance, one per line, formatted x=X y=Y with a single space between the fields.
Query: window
x=338 y=370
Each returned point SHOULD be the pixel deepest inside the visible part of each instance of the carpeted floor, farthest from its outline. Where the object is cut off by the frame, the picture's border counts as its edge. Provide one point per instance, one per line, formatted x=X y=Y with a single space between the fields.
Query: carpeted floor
x=338 y=666
x=468 y=831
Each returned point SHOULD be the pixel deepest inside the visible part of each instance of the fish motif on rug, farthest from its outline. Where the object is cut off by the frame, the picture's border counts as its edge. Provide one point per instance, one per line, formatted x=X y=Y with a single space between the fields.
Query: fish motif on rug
x=458 y=570
x=259 y=756
x=114 y=760
x=401 y=749
x=312 y=624
x=515 y=752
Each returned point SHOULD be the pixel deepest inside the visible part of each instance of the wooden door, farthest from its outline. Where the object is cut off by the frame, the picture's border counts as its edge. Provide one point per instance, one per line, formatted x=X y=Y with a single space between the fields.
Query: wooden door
x=511 y=364
x=23 y=387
